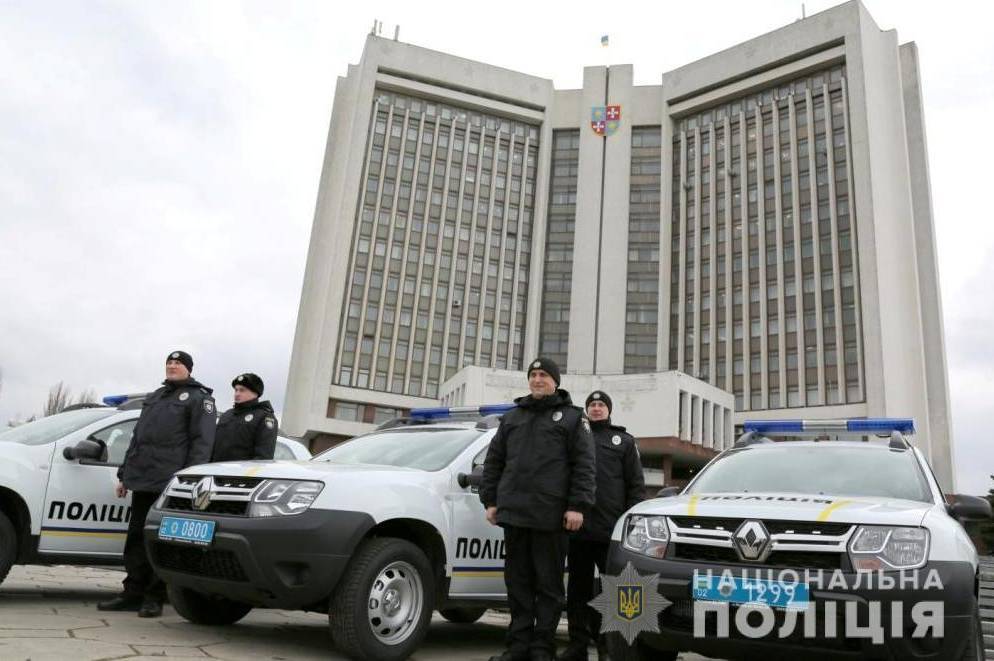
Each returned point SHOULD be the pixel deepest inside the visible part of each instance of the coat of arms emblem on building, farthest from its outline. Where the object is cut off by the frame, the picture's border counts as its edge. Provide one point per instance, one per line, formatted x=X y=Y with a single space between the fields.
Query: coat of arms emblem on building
x=605 y=120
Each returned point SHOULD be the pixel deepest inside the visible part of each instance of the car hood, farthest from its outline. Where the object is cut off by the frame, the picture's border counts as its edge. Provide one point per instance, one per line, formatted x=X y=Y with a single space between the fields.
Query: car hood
x=323 y=471
x=790 y=507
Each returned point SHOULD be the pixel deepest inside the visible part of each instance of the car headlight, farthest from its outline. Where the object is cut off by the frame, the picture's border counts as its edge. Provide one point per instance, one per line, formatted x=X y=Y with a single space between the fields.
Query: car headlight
x=875 y=548
x=284 y=497
x=647 y=535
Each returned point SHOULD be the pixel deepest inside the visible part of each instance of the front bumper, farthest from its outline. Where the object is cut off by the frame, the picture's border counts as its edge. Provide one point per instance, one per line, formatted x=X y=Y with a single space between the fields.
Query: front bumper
x=290 y=562
x=676 y=623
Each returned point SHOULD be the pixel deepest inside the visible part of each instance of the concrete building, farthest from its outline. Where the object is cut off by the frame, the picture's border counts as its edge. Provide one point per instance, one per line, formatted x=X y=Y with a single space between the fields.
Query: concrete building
x=680 y=422
x=760 y=219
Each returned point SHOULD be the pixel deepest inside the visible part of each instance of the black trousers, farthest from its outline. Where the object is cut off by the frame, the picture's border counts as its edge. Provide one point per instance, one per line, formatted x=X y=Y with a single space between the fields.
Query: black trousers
x=584 y=621
x=141 y=580
x=533 y=572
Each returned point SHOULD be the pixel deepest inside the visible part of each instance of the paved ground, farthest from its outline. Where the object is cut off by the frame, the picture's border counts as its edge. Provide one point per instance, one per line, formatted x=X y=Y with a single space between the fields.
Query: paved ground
x=49 y=613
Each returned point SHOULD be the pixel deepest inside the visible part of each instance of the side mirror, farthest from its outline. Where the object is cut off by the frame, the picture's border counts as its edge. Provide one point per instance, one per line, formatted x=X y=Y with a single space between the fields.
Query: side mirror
x=473 y=479
x=667 y=492
x=969 y=508
x=86 y=450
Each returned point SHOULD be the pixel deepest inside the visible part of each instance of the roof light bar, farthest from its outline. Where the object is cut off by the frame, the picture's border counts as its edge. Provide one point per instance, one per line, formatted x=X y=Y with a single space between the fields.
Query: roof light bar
x=866 y=425
x=115 y=400
x=442 y=412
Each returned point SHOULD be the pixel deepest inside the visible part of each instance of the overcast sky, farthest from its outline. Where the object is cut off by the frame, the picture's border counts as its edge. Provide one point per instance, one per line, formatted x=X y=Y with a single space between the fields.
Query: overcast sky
x=159 y=164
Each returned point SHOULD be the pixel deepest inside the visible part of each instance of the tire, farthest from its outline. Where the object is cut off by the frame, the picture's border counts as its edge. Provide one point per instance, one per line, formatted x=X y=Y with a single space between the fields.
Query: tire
x=202 y=608
x=383 y=605
x=466 y=615
x=974 y=650
x=620 y=650
x=8 y=546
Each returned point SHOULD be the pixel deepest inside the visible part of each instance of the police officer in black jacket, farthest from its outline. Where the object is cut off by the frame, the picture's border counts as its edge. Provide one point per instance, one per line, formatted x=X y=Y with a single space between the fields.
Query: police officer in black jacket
x=248 y=430
x=538 y=482
x=175 y=430
x=620 y=484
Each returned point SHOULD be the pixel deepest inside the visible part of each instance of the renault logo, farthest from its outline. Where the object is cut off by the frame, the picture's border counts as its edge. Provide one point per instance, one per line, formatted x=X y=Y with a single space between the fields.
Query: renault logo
x=752 y=541
x=201 y=493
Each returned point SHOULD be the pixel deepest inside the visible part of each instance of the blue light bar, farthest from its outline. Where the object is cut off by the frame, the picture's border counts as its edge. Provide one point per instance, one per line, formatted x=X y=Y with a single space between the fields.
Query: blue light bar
x=772 y=426
x=443 y=412
x=865 y=425
x=115 y=400
x=903 y=425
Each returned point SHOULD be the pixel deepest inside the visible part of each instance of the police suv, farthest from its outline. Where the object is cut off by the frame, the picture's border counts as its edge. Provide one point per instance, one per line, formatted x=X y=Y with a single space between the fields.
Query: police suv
x=57 y=480
x=838 y=543
x=378 y=532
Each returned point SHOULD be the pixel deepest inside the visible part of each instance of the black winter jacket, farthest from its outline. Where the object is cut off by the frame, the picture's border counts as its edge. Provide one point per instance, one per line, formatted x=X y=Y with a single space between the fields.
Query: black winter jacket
x=246 y=431
x=175 y=430
x=540 y=463
x=620 y=480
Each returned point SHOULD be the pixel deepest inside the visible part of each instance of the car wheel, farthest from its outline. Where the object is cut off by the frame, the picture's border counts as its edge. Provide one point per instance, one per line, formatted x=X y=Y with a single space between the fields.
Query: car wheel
x=462 y=615
x=383 y=605
x=201 y=608
x=620 y=650
x=8 y=546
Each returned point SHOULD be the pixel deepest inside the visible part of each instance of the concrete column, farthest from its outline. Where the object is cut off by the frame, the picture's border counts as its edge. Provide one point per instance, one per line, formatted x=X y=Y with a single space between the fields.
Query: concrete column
x=667 y=470
x=696 y=424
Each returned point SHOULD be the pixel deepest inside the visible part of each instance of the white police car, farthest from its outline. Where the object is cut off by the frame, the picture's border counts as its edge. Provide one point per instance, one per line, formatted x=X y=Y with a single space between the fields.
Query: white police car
x=57 y=479
x=378 y=532
x=848 y=517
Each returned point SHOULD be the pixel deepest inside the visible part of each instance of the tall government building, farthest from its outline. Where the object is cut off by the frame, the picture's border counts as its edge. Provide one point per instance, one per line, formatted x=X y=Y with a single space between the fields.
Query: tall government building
x=760 y=219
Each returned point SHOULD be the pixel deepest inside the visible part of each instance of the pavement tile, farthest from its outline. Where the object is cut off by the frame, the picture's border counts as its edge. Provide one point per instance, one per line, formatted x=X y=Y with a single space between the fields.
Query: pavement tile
x=42 y=649
x=172 y=651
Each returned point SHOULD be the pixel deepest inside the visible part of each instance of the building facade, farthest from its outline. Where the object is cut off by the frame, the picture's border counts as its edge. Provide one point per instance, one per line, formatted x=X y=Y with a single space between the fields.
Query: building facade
x=759 y=220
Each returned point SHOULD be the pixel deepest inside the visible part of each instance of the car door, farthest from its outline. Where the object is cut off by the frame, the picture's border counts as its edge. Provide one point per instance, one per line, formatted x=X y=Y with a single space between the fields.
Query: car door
x=82 y=514
x=476 y=553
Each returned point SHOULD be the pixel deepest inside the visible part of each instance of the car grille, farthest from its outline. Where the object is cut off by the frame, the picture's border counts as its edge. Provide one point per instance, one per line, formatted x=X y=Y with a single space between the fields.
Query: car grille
x=230 y=496
x=780 y=559
x=210 y=563
x=795 y=544
x=223 y=507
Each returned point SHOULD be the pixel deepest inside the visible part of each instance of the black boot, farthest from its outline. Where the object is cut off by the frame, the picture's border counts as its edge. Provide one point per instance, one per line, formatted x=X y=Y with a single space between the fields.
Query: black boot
x=150 y=608
x=507 y=656
x=122 y=602
x=575 y=651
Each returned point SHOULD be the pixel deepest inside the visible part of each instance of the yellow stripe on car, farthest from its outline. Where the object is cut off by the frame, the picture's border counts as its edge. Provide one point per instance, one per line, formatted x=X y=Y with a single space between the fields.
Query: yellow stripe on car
x=692 y=506
x=837 y=505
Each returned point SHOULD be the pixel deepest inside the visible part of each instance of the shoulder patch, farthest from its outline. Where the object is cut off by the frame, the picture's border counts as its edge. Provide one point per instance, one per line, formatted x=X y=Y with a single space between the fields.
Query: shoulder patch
x=270 y=423
x=586 y=424
x=209 y=405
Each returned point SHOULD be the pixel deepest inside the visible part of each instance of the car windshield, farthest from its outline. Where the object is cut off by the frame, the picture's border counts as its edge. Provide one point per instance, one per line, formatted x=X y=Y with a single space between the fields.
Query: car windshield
x=869 y=471
x=54 y=427
x=424 y=449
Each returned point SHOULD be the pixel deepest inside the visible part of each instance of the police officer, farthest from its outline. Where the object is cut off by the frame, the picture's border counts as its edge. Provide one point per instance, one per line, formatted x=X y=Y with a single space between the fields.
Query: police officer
x=620 y=484
x=247 y=430
x=175 y=430
x=538 y=481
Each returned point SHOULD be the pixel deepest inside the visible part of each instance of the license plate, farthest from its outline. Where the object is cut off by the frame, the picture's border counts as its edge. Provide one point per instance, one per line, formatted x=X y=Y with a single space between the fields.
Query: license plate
x=747 y=590
x=195 y=531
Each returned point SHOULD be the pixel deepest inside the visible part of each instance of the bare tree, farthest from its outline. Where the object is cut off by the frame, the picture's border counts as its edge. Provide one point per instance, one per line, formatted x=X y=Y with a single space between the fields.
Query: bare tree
x=88 y=396
x=59 y=397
